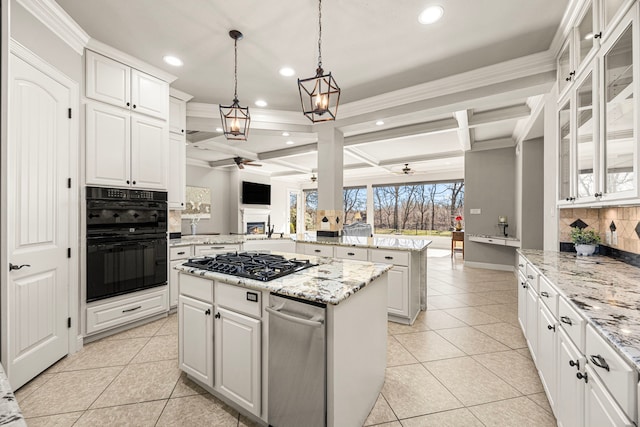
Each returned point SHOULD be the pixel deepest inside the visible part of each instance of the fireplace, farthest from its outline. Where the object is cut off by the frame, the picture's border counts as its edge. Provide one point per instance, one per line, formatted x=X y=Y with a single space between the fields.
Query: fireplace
x=255 y=228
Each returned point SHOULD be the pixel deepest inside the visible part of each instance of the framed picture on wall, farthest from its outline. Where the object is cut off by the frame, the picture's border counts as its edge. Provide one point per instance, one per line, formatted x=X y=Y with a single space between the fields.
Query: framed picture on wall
x=198 y=203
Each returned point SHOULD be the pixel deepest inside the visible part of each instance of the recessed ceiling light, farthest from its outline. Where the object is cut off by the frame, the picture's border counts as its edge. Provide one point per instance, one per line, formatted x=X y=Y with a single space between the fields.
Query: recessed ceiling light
x=287 y=71
x=218 y=129
x=261 y=103
x=430 y=15
x=290 y=143
x=379 y=123
x=285 y=134
x=172 y=60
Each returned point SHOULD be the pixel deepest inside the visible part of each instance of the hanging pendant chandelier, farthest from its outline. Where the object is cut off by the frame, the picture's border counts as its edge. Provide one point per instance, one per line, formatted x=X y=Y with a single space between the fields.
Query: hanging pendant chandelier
x=235 y=119
x=319 y=95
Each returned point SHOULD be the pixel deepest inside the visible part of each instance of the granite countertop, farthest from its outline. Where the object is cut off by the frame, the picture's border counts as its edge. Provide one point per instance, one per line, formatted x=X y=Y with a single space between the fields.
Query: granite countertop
x=605 y=291
x=486 y=236
x=224 y=239
x=394 y=243
x=10 y=414
x=330 y=282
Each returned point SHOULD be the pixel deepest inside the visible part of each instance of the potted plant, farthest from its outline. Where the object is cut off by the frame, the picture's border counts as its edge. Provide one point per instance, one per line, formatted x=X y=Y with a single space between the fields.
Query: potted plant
x=458 y=223
x=585 y=241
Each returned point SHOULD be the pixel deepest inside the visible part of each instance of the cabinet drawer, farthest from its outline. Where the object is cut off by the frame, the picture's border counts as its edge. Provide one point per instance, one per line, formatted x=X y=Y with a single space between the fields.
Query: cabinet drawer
x=572 y=323
x=359 y=254
x=532 y=276
x=201 y=250
x=108 y=315
x=180 y=252
x=318 y=250
x=390 y=257
x=196 y=287
x=548 y=295
x=522 y=265
x=242 y=300
x=616 y=374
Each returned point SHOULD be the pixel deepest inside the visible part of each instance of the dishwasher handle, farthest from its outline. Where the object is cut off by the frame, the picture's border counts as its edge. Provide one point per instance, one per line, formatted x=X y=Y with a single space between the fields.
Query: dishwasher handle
x=277 y=313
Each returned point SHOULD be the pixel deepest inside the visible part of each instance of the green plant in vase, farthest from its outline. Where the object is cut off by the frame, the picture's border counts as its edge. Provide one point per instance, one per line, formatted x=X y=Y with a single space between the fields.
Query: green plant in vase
x=585 y=241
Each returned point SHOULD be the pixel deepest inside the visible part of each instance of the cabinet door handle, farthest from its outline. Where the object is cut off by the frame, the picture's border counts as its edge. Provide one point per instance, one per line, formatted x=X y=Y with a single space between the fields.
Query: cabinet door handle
x=217 y=316
x=551 y=328
x=600 y=362
x=388 y=257
x=350 y=253
x=582 y=376
x=524 y=285
x=317 y=251
x=565 y=319
x=520 y=265
x=597 y=35
x=17 y=267
x=181 y=253
x=208 y=312
x=530 y=276
x=575 y=363
x=132 y=309
x=544 y=294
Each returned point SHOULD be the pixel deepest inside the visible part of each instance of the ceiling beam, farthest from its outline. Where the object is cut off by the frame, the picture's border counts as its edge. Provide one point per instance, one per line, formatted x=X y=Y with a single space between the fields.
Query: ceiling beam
x=499 y=115
x=422 y=158
x=464 y=135
x=290 y=165
x=286 y=152
x=234 y=151
x=363 y=157
x=492 y=144
x=401 y=131
x=210 y=124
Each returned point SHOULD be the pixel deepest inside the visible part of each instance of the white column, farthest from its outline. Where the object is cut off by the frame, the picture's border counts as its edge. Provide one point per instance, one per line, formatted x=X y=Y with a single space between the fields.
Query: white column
x=330 y=171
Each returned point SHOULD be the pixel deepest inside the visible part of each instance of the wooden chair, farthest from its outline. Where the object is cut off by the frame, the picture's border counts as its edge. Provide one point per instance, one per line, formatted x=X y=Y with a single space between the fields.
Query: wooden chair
x=457 y=236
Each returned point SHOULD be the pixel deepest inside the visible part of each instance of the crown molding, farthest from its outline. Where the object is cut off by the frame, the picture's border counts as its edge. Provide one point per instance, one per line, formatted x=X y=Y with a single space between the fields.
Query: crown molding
x=59 y=22
x=568 y=19
x=183 y=96
x=132 y=61
x=493 y=74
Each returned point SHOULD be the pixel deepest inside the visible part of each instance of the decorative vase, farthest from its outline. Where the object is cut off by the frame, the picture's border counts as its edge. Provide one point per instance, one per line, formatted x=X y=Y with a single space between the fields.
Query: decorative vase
x=585 y=250
x=458 y=226
x=193 y=228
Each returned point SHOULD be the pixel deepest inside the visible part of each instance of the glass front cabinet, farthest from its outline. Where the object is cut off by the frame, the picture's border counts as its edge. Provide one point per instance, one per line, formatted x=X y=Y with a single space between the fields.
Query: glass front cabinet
x=598 y=110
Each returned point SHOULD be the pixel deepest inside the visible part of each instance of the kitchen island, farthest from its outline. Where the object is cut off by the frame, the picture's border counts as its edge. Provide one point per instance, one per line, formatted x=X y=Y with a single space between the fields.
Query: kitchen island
x=227 y=341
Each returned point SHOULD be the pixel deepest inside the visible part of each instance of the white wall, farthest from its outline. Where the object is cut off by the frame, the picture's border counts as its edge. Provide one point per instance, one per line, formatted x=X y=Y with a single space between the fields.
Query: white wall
x=218 y=181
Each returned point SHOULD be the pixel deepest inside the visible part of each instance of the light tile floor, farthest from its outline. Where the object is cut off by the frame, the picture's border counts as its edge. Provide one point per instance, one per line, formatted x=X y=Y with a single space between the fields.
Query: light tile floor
x=463 y=363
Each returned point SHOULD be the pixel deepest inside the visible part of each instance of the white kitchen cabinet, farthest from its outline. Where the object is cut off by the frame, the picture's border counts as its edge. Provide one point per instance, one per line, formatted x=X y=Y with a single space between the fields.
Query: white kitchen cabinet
x=125 y=150
x=118 y=84
x=317 y=250
x=522 y=302
x=177 y=171
x=600 y=407
x=202 y=250
x=177 y=256
x=546 y=360
x=398 y=291
x=278 y=245
x=177 y=116
x=532 y=322
x=195 y=343
x=238 y=358
x=569 y=408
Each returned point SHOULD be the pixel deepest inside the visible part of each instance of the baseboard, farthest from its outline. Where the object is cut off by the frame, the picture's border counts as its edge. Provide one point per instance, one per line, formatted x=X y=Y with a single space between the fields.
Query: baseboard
x=487 y=266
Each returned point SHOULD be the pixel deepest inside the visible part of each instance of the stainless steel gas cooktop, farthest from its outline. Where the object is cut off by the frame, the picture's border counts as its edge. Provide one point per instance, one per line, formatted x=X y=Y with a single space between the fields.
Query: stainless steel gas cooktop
x=251 y=265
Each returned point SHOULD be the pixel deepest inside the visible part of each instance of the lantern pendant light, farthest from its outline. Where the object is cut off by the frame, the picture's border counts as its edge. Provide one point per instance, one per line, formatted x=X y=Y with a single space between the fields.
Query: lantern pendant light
x=319 y=95
x=235 y=119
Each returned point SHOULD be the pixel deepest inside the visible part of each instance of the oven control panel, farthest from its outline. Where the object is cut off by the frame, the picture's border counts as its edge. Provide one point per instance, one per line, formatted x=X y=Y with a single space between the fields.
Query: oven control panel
x=141 y=195
x=114 y=193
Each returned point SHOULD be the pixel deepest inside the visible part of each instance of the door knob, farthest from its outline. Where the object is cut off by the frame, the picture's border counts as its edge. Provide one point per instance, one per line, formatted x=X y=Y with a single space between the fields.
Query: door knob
x=17 y=267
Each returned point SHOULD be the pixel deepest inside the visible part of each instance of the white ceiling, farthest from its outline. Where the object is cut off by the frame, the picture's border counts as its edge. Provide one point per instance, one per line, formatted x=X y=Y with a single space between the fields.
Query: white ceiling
x=371 y=47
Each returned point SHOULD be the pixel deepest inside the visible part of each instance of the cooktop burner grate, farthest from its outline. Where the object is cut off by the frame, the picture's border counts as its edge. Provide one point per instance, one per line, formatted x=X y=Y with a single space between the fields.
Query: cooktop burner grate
x=251 y=265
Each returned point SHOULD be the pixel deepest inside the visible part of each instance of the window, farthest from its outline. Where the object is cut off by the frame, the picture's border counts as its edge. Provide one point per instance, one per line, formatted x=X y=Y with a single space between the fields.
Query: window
x=310 y=209
x=293 y=212
x=354 y=204
x=420 y=208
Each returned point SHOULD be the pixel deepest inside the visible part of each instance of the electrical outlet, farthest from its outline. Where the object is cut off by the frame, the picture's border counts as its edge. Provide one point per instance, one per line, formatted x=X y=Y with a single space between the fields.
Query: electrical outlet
x=475 y=211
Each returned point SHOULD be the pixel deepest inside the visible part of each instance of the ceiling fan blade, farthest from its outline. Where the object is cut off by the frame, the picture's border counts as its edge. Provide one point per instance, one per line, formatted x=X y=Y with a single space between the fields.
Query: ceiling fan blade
x=240 y=166
x=253 y=164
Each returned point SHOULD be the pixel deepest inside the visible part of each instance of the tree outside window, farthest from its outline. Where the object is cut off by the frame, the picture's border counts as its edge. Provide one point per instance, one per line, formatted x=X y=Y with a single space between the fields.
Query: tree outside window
x=310 y=209
x=354 y=204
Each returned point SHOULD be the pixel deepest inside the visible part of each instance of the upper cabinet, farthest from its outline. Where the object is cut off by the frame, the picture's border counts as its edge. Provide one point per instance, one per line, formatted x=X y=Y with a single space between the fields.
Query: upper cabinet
x=120 y=85
x=597 y=109
x=177 y=116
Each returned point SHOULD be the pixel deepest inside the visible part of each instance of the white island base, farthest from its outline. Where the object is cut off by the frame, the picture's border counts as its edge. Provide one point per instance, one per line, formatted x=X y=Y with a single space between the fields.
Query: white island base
x=356 y=345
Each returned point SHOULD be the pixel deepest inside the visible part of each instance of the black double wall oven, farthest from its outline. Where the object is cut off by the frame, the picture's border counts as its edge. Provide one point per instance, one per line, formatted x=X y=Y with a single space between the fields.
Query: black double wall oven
x=126 y=241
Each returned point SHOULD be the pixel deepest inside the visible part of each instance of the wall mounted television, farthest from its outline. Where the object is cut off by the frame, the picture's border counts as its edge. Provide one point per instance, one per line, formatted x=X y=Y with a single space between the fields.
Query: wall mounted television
x=256 y=194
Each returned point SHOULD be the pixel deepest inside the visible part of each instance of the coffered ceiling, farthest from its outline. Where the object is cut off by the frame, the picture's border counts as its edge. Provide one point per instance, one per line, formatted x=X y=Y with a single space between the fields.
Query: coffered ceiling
x=436 y=87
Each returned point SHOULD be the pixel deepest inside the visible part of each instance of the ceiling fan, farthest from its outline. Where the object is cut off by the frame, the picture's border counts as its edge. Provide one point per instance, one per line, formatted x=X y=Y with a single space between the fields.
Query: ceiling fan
x=241 y=162
x=406 y=170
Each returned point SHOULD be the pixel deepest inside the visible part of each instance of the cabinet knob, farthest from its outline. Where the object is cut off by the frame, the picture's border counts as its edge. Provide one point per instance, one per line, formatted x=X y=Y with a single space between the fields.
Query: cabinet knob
x=598 y=195
x=208 y=312
x=181 y=130
x=597 y=35
x=551 y=328
x=520 y=265
x=127 y=181
x=575 y=363
x=134 y=105
x=530 y=276
x=134 y=183
x=582 y=376
x=217 y=316
x=128 y=104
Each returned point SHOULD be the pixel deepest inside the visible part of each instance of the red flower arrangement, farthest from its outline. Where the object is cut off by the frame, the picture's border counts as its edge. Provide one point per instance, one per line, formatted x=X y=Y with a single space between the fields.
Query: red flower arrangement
x=458 y=218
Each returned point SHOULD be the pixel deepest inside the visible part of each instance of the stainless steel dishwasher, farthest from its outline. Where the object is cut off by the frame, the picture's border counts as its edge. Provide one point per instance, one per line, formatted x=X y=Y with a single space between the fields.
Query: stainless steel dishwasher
x=297 y=363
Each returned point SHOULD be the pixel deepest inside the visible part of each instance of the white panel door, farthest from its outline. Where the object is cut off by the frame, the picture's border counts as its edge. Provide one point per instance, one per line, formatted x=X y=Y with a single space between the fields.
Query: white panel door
x=522 y=302
x=38 y=221
x=547 y=351
x=108 y=145
x=238 y=359
x=177 y=171
x=149 y=153
x=195 y=339
x=149 y=95
x=108 y=80
x=177 y=116
x=398 y=290
x=601 y=409
x=569 y=406
x=532 y=321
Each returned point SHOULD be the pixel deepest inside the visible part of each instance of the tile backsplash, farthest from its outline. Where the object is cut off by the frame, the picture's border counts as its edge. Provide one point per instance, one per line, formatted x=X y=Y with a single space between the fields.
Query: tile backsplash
x=175 y=221
x=619 y=227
